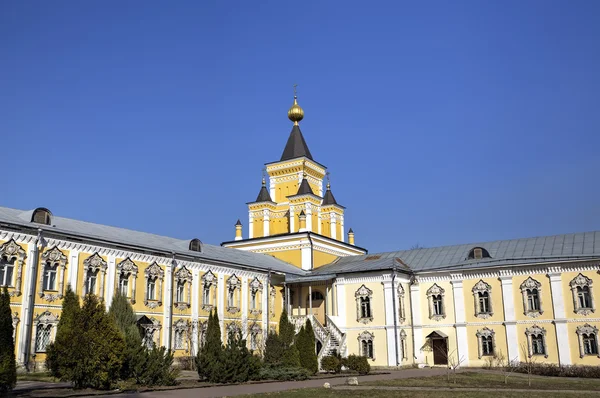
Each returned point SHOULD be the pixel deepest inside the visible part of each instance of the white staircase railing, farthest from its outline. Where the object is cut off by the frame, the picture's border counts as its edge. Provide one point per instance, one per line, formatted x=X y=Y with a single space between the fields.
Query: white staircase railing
x=338 y=335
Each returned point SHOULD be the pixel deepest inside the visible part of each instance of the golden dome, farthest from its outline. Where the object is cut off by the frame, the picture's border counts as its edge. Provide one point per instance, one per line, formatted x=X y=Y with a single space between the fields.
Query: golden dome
x=295 y=114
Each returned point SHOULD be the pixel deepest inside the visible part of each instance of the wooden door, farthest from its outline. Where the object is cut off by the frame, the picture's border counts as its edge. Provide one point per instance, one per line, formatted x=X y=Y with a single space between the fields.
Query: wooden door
x=440 y=352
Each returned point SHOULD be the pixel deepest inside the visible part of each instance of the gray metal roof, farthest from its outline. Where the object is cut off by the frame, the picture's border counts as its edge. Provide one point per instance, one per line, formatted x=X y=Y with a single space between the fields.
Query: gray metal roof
x=296 y=146
x=151 y=241
x=585 y=245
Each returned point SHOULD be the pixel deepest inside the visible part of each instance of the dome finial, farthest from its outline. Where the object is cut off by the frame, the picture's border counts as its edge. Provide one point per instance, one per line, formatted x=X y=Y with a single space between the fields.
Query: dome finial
x=328 y=182
x=264 y=181
x=295 y=114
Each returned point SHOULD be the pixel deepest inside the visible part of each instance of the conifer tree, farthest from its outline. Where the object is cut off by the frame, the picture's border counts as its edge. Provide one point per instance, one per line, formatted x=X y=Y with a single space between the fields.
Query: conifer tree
x=306 y=348
x=286 y=330
x=60 y=353
x=125 y=319
x=8 y=368
x=238 y=365
x=210 y=354
x=274 y=349
x=291 y=357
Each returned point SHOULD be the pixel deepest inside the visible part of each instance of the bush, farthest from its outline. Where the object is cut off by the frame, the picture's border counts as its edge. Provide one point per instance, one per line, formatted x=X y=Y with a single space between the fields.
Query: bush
x=550 y=369
x=238 y=363
x=331 y=364
x=274 y=349
x=357 y=363
x=283 y=373
x=291 y=357
x=8 y=368
x=155 y=368
x=305 y=343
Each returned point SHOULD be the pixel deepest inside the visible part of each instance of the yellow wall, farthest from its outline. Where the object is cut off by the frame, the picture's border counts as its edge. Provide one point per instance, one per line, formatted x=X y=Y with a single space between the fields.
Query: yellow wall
x=321 y=258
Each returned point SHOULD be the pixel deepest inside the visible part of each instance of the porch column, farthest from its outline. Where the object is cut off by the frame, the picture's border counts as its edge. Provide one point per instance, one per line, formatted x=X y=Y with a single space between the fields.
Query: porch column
x=310 y=299
x=299 y=299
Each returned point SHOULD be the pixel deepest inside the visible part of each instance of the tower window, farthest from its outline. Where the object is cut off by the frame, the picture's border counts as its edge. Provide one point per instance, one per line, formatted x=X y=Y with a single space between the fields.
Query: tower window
x=41 y=216
x=195 y=245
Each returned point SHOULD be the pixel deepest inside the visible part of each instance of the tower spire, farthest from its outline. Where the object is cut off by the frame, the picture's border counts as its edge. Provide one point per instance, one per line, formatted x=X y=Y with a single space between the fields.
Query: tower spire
x=295 y=113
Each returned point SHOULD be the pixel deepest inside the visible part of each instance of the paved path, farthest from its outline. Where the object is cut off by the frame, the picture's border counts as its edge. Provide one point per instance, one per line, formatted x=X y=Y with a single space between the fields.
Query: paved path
x=455 y=389
x=242 y=389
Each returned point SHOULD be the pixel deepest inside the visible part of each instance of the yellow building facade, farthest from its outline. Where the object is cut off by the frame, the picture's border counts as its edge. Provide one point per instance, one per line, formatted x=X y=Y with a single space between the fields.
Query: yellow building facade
x=466 y=304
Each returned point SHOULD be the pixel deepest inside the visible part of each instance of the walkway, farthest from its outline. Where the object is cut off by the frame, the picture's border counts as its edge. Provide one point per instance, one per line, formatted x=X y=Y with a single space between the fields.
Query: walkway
x=243 y=389
x=458 y=389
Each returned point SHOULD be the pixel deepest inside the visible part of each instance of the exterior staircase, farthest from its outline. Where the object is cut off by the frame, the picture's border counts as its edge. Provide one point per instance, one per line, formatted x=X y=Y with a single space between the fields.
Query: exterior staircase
x=331 y=337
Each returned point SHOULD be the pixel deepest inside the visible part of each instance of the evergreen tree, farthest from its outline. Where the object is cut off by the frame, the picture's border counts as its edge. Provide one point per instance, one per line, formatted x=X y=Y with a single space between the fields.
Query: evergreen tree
x=98 y=348
x=210 y=354
x=274 y=349
x=136 y=355
x=60 y=353
x=306 y=348
x=286 y=330
x=238 y=364
x=291 y=357
x=8 y=367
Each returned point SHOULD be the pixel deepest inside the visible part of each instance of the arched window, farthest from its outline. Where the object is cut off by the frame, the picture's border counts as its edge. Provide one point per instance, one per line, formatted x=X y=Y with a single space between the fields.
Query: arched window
x=364 y=297
x=536 y=340
x=233 y=294
x=401 y=310
x=255 y=296
x=127 y=270
x=532 y=300
x=180 y=337
x=209 y=287
x=478 y=253
x=94 y=275
x=195 y=245
x=51 y=281
x=486 y=342
x=44 y=330
x=154 y=275
x=183 y=293
x=316 y=295
x=365 y=339
x=12 y=257
x=588 y=340
x=583 y=302
x=435 y=296
x=483 y=305
x=41 y=216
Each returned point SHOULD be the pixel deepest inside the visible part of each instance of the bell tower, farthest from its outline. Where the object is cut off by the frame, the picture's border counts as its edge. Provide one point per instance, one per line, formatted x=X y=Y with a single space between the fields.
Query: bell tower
x=293 y=218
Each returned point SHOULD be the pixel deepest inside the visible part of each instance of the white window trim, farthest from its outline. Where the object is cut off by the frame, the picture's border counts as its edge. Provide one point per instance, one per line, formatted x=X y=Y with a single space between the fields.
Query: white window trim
x=95 y=263
x=183 y=276
x=182 y=328
x=45 y=319
x=482 y=287
x=234 y=288
x=129 y=270
x=530 y=284
x=363 y=292
x=157 y=274
x=403 y=344
x=11 y=250
x=582 y=281
x=153 y=329
x=256 y=288
x=536 y=330
x=587 y=329
x=485 y=332
x=366 y=336
x=401 y=307
x=436 y=290
x=209 y=281
x=53 y=257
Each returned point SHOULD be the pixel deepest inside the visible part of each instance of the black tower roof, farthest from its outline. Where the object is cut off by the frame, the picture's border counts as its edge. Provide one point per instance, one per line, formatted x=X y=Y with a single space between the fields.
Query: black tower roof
x=296 y=146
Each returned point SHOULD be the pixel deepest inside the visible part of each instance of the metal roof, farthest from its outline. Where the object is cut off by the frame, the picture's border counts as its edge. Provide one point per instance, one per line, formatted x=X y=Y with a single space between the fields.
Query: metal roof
x=61 y=225
x=584 y=245
x=296 y=146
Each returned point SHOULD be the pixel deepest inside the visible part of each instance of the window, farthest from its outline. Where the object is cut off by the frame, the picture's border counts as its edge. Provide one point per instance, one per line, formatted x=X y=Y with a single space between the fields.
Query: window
x=364 y=297
x=180 y=291
x=482 y=293
x=206 y=295
x=90 y=283
x=50 y=276
x=401 y=311
x=179 y=339
x=202 y=333
x=484 y=302
x=583 y=300
x=253 y=342
x=256 y=288
x=42 y=338
x=124 y=285
x=230 y=298
x=478 y=253
x=403 y=345
x=11 y=256
x=255 y=332
x=536 y=340
x=365 y=307
x=154 y=275
x=6 y=271
x=125 y=270
x=151 y=287
x=148 y=338
x=195 y=245
x=532 y=300
x=233 y=293
x=41 y=216
x=486 y=344
x=435 y=296
x=208 y=285
x=365 y=339
x=253 y=300
x=588 y=340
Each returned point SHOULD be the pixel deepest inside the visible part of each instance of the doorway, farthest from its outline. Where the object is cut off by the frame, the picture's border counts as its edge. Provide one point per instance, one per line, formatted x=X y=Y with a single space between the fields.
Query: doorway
x=440 y=351
x=318 y=305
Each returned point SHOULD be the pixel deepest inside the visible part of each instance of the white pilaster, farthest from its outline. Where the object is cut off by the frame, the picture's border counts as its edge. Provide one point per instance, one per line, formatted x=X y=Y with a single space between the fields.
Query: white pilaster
x=343 y=237
x=109 y=283
x=74 y=269
x=168 y=302
x=510 y=322
x=292 y=220
x=195 y=309
x=266 y=222
x=28 y=302
x=558 y=305
x=272 y=189
x=306 y=257
x=460 y=319
x=341 y=305
x=319 y=227
x=265 y=308
x=333 y=225
x=415 y=304
x=221 y=305
x=250 y=226
x=244 y=305
x=388 y=297
x=309 y=217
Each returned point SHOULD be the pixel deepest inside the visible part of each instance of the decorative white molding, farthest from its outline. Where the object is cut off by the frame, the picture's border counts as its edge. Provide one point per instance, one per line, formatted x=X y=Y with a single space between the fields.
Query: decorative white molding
x=16 y=254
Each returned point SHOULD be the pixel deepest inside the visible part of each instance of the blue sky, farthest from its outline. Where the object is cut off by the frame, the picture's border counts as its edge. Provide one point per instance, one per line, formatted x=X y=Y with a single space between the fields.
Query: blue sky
x=440 y=122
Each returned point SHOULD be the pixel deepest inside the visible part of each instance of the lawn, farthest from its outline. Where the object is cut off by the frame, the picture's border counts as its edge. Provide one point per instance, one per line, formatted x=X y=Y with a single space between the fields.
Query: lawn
x=494 y=380
x=321 y=392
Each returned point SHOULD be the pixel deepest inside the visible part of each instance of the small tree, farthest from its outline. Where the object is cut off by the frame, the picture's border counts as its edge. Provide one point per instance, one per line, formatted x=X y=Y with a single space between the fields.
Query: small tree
x=274 y=349
x=208 y=361
x=287 y=331
x=291 y=357
x=507 y=365
x=60 y=355
x=306 y=347
x=529 y=362
x=453 y=362
x=8 y=367
x=238 y=364
x=125 y=319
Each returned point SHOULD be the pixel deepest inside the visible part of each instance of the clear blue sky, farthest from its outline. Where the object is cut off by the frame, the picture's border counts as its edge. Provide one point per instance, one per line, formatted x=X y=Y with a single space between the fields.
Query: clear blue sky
x=441 y=122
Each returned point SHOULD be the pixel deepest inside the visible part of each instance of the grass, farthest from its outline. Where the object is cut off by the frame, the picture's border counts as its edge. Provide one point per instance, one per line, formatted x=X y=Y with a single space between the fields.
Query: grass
x=38 y=376
x=321 y=392
x=493 y=380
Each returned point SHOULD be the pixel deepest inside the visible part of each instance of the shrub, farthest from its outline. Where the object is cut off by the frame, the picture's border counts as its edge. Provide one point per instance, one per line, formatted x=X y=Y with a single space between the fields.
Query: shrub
x=156 y=368
x=357 y=363
x=8 y=367
x=283 y=373
x=331 y=364
x=305 y=342
x=291 y=357
x=238 y=363
x=274 y=349
x=287 y=331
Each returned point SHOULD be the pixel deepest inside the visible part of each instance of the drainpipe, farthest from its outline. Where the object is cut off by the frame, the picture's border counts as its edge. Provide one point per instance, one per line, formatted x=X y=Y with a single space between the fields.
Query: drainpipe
x=412 y=323
x=32 y=271
x=395 y=314
x=268 y=299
